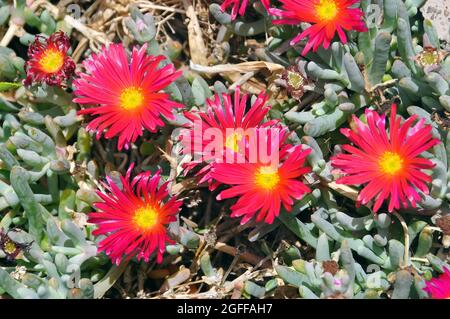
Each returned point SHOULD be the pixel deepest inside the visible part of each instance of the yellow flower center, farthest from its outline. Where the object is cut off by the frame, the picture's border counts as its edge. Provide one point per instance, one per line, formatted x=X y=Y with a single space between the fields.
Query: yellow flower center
x=267 y=177
x=131 y=98
x=9 y=247
x=145 y=217
x=51 y=61
x=326 y=10
x=232 y=141
x=390 y=163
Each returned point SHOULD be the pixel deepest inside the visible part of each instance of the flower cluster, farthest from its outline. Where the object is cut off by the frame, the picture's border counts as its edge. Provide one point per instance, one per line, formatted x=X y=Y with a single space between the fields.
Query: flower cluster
x=262 y=187
x=125 y=92
x=123 y=95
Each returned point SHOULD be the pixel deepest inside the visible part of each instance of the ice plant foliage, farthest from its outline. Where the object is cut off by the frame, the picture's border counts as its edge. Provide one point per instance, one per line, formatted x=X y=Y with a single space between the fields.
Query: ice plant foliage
x=439 y=288
x=388 y=163
x=261 y=188
x=48 y=61
x=224 y=125
x=126 y=93
x=134 y=217
x=326 y=18
x=239 y=6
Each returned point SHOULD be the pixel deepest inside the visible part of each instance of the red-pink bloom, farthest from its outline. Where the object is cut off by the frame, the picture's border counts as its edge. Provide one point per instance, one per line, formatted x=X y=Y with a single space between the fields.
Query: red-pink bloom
x=389 y=164
x=239 y=6
x=135 y=217
x=439 y=288
x=231 y=120
x=126 y=92
x=326 y=18
x=48 y=61
x=262 y=187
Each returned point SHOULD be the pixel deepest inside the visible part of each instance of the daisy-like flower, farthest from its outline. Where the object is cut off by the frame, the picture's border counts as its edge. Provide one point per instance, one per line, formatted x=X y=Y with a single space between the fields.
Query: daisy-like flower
x=326 y=18
x=135 y=217
x=239 y=6
x=439 y=288
x=430 y=58
x=126 y=92
x=10 y=247
x=263 y=186
x=48 y=61
x=389 y=164
x=231 y=120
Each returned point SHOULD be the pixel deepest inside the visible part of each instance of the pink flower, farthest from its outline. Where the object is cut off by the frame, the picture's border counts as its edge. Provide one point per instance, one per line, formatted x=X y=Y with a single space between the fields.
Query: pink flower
x=263 y=186
x=231 y=119
x=239 y=6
